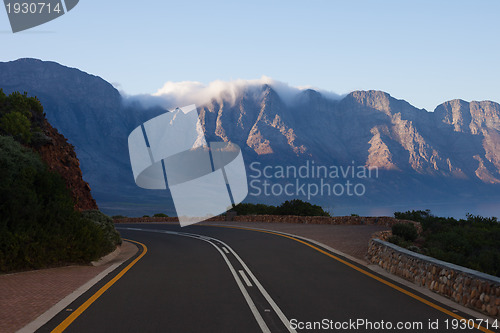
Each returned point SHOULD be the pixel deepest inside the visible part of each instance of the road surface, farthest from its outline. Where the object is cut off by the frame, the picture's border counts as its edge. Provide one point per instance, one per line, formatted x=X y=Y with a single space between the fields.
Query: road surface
x=217 y=279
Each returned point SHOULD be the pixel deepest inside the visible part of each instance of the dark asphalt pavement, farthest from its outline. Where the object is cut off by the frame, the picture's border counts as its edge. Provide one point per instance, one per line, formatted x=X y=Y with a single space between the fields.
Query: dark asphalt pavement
x=232 y=280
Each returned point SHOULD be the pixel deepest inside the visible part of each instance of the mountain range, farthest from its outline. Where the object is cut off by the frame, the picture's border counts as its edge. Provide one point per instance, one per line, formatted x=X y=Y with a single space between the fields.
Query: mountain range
x=447 y=160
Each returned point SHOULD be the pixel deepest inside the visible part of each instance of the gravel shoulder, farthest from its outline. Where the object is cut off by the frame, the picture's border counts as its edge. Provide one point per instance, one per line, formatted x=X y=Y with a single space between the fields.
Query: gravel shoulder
x=349 y=239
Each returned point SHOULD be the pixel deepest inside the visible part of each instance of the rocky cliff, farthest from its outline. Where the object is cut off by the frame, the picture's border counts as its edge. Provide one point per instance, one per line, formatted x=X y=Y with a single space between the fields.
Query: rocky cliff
x=458 y=140
x=60 y=156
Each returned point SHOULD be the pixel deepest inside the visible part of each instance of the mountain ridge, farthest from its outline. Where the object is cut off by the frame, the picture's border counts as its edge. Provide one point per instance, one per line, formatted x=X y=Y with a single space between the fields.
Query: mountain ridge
x=449 y=154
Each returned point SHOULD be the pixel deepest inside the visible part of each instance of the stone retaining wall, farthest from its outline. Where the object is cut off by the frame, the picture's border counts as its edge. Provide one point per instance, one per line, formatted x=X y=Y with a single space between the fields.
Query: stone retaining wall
x=348 y=220
x=465 y=286
x=382 y=235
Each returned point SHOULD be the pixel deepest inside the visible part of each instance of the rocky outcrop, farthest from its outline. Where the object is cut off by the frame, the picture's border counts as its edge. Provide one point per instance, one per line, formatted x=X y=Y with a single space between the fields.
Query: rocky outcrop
x=60 y=156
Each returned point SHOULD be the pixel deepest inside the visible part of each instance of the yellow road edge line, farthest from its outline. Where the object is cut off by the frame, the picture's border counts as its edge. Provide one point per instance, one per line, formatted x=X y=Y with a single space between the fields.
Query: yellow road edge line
x=71 y=318
x=390 y=284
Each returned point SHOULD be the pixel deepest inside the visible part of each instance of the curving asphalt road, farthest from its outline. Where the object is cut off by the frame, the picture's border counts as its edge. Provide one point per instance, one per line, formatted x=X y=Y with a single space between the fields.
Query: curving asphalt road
x=217 y=279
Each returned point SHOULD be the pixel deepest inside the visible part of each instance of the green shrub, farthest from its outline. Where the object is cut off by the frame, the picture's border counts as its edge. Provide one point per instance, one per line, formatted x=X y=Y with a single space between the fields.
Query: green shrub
x=413 y=215
x=300 y=208
x=115 y=217
x=292 y=207
x=17 y=125
x=38 y=224
x=254 y=209
x=414 y=248
x=471 y=242
x=407 y=231
x=106 y=224
x=160 y=215
x=397 y=240
x=39 y=139
x=20 y=116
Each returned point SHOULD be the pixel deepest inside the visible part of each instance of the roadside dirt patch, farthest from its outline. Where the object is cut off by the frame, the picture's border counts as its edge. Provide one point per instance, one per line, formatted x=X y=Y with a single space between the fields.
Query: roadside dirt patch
x=350 y=239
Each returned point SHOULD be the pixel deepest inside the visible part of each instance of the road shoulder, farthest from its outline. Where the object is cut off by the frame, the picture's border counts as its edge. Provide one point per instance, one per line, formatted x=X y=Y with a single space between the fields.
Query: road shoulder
x=29 y=299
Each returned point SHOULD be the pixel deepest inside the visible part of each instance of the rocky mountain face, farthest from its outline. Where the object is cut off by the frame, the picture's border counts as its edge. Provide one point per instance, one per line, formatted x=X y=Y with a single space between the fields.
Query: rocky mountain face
x=446 y=158
x=458 y=140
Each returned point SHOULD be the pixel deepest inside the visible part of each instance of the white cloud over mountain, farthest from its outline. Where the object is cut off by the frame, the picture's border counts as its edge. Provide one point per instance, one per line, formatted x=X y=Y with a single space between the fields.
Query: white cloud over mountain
x=173 y=94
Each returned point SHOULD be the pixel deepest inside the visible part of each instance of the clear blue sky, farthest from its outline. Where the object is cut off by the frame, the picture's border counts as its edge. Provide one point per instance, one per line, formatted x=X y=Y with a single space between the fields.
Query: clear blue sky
x=425 y=52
